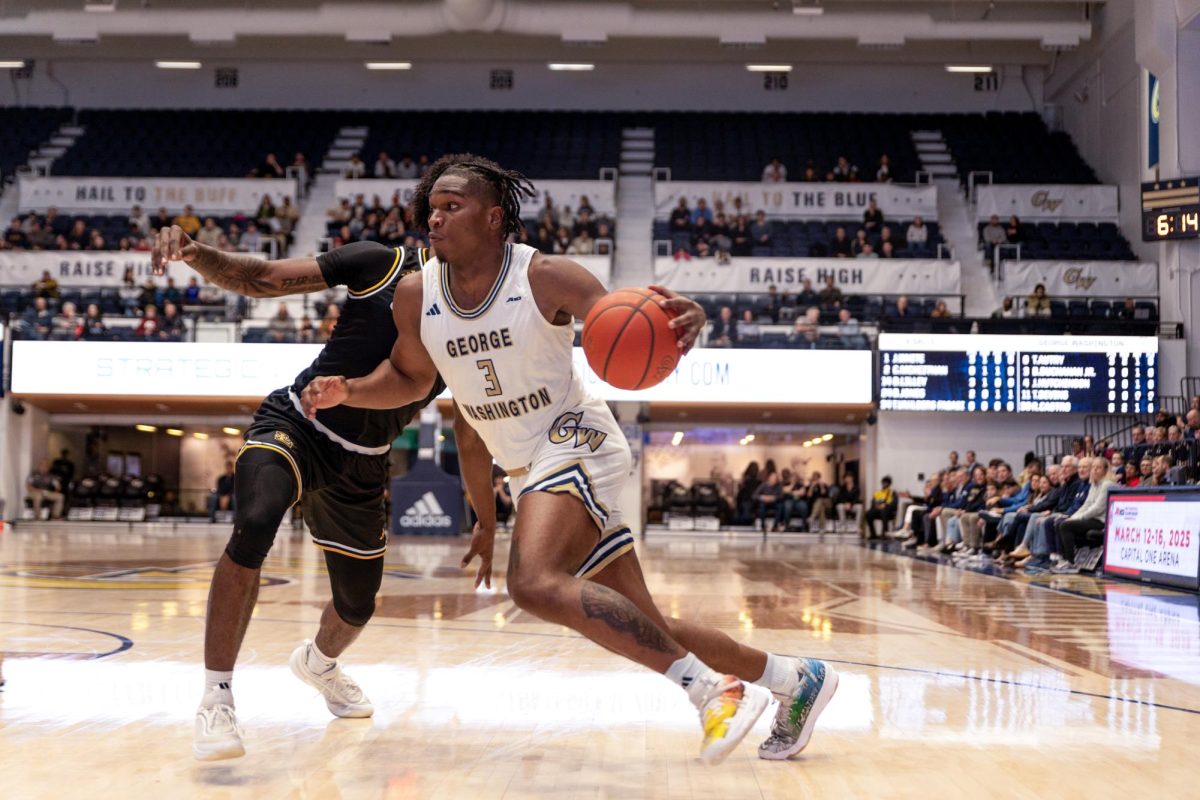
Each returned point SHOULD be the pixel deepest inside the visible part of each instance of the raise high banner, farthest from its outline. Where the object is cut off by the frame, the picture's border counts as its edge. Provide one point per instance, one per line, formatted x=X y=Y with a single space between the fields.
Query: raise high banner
x=800 y=200
x=851 y=275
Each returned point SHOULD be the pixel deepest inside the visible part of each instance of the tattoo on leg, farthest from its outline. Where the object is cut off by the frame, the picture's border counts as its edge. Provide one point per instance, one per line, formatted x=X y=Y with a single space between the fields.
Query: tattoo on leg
x=620 y=614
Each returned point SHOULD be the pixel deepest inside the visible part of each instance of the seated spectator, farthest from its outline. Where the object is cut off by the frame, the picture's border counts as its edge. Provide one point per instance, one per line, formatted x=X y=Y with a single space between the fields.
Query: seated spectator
x=271 y=168
x=503 y=496
x=77 y=237
x=1012 y=232
x=701 y=243
x=40 y=237
x=887 y=250
x=67 y=326
x=188 y=221
x=221 y=498
x=53 y=222
x=567 y=219
x=872 y=218
x=748 y=331
x=806 y=331
x=562 y=240
x=743 y=245
x=766 y=497
x=831 y=295
x=169 y=294
x=843 y=172
x=1128 y=310
x=840 y=246
x=170 y=324
x=700 y=212
x=149 y=294
x=191 y=292
x=1089 y=517
x=680 y=220
x=328 y=322
x=885 y=237
x=149 y=326
x=860 y=241
x=917 y=234
x=760 y=230
x=96 y=241
x=868 y=251
x=994 y=233
x=37 y=320
x=775 y=172
x=848 y=326
x=806 y=296
x=810 y=174
x=42 y=485
x=93 y=326
x=901 y=311
x=282 y=328
x=1007 y=310
x=848 y=501
x=818 y=498
x=724 y=331
x=355 y=169
x=306 y=333
x=408 y=169
x=582 y=245
x=384 y=166
x=300 y=167
x=284 y=223
x=423 y=165
x=883 y=174
x=14 y=237
x=883 y=509
x=544 y=242
x=251 y=241
x=940 y=311
x=1038 y=303
x=161 y=220
x=46 y=287
x=720 y=238
x=210 y=234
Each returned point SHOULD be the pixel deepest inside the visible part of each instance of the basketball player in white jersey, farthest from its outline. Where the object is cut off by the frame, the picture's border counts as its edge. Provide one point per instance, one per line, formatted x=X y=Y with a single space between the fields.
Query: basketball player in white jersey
x=495 y=321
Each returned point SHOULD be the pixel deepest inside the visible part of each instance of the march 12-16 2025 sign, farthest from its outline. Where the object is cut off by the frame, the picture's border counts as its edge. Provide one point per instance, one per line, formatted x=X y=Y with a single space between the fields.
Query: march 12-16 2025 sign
x=1171 y=209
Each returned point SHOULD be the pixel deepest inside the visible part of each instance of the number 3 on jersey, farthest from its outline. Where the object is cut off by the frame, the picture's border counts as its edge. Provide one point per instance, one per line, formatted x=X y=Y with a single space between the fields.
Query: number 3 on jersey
x=489 y=375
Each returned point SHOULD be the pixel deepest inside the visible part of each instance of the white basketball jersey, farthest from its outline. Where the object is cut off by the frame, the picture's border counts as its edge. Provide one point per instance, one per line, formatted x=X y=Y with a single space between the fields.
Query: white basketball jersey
x=509 y=369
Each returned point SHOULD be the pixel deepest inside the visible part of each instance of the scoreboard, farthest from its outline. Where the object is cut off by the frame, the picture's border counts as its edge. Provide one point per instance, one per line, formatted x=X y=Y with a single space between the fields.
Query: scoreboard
x=1171 y=209
x=1046 y=374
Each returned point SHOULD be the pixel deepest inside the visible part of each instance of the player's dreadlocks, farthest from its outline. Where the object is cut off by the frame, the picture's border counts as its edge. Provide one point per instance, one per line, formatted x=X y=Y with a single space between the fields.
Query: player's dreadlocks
x=508 y=186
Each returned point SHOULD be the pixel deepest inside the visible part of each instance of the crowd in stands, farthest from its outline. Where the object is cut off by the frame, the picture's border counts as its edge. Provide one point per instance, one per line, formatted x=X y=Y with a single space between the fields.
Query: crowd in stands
x=356 y=220
x=1053 y=240
x=841 y=172
x=284 y=329
x=1039 y=304
x=386 y=167
x=721 y=232
x=135 y=232
x=1047 y=518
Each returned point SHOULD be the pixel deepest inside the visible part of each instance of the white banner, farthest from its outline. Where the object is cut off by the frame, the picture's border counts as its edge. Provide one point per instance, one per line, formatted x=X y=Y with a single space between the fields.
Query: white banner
x=852 y=276
x=1154 y=534
x=77 y=269
x=802 y=200
x=223 y=196
x=1047 y=202
x=199 y=370
x=1081 y=279
x=600 y=266
x=602 y=195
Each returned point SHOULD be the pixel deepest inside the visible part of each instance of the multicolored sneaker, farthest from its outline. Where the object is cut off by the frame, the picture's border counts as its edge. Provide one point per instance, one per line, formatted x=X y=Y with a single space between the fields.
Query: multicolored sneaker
x=727 y=714
x=797 y=715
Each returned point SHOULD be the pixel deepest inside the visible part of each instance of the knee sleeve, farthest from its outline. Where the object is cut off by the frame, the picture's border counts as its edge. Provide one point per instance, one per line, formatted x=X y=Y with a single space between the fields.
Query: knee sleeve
x=264 y=489
x=354 y=582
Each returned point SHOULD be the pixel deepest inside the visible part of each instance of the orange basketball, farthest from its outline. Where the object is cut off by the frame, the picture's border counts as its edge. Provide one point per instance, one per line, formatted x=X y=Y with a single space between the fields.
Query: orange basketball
x=627 y=339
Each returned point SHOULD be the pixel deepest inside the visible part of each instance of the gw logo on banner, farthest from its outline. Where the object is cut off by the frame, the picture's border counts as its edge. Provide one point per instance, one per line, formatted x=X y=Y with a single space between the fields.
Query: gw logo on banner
x=1041 y=199
x=567 y=427
x=1074 y=276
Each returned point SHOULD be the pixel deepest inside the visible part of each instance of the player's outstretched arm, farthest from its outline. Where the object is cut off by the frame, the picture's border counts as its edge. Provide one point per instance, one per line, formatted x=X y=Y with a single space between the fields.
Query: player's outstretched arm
x=475 y=464
x=237 y=272
x=562 y=285
x=406 y=377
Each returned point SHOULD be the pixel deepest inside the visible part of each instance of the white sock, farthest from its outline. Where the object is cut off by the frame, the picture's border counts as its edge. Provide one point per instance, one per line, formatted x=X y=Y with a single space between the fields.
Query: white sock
x=318 y=662
x=780 y=676
x=217 y=688
x=694 y=677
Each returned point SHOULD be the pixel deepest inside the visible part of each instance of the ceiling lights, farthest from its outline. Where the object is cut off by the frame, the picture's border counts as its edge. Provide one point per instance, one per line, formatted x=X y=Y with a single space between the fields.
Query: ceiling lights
x=177 y=64
x=389 y=65
x=769 y=67
x=969 y=68
x=559 y=66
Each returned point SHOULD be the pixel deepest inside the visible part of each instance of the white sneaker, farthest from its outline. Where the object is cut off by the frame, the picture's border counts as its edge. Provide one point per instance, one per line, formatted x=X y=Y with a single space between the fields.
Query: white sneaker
x=217 y=734
x=342 y=695
x=727 y=715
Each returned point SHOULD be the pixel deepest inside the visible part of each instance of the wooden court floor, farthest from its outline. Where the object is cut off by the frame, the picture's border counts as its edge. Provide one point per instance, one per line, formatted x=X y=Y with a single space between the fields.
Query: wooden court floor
x=954 y=684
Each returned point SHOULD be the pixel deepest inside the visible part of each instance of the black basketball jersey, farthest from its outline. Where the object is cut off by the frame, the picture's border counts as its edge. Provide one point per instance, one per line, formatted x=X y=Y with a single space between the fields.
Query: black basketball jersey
x=363 y=338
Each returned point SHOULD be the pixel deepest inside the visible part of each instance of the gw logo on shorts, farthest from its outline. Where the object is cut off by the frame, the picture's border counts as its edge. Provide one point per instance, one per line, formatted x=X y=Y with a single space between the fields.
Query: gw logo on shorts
x=567 y=427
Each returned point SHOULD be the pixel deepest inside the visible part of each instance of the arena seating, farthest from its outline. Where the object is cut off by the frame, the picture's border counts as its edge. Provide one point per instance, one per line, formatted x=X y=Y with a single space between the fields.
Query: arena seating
x=1014 y=147
x=22 y=130
x=736 y=147
x=542 y=144
x=804 y=238
x=1089 y=241
x=196 y=144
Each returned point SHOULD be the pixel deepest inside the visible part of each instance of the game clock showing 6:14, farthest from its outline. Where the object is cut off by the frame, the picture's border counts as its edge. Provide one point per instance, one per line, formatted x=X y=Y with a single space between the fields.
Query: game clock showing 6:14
x=1171 y=210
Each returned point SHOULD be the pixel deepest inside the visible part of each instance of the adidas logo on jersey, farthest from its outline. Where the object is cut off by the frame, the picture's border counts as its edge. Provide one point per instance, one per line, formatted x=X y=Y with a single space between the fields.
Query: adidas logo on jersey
x=516 y=299
x=433 y=311
x=426 y=513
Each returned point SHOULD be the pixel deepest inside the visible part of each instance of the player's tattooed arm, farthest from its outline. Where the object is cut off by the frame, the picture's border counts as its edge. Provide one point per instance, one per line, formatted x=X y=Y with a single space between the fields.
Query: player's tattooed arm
x=620 y=614
x=237 y=272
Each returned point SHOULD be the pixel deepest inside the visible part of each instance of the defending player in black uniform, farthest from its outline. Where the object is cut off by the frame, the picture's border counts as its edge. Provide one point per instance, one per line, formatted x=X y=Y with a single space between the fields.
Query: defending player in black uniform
x=335 y=466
